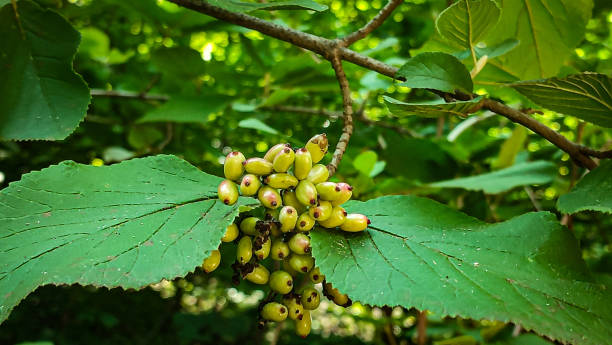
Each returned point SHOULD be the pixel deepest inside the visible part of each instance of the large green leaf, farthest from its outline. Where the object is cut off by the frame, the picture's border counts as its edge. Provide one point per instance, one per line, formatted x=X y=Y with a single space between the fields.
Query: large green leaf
x=587 y=96
x=419 y=253
x=438 y=71
x=187 y=109
x=129 y=225
x=593 y=192
x=433 y=109
x=241 y=6
x=466 y=22
x=42 y=96
x=522 y=174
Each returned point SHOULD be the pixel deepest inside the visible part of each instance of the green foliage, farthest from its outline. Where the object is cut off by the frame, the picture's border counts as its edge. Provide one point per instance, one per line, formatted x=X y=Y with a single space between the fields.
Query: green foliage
x=593 y=192
x=242 y=6
x=438 y=71
x=187 y=109
x=435 y=108
x=467 y=22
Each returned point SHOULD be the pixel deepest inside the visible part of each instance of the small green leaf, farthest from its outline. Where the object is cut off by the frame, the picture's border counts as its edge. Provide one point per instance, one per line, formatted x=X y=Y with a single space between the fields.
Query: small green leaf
x=438 y=71
x=187 y=109
x=587 y=96
x=434 y=109
x=492 y=51
x=422 y=254
x=467 y=22
x=240 y=6
x=42 y=96
x=593 y=192
x=365 y=162
x=129 y=224
x=522 y=174
x=257 y=124
x=510 y=148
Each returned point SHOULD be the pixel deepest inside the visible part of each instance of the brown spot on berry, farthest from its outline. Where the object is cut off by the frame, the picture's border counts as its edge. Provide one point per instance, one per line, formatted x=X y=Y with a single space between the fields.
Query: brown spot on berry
x=315 y=276
x=369 y=222
x=350 y=188
x=304 y=269
x=313 y=201
x=345 y=214
x=307 y=250
x=273 y=203
x=300 y=317
x=289 y=282
x=226 y=201
x=290 y=211
x=338 y=188
x=302 y=223
x=283 y=310
x=316 y=214
x=287 y=150
x=247 y=183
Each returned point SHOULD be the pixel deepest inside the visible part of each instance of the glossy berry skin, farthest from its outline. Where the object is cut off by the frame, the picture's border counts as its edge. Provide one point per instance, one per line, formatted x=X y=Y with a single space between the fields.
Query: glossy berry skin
x=233 y=168
x=355 y=222
x=305 y=222
x=303 y=325
x=212 y=262
x=269 y=197
x=274 y=150
x=244 y=252
x=281 y=282
x=317 y=146
x=287 y=268
x=302 y=164
x=337 y=297
x=283 y=160
x=287 y=217
x=263 y=252
x=231 y=233
x=247 y=226
x=228 y=192
x=279 y=250
x=318 y=174
x=274 y=311
x=346 y=191
x=301 y=263
x=296 y=310
x=306 y=193
x=300 y=244
x=290 y=199
x=258 y=166
x=249 y=185
x=281 y=181
x=322 y=211
x=328 y=190
x=316 y=276
x=260 y=275
x=337 y=218
x=310 y=299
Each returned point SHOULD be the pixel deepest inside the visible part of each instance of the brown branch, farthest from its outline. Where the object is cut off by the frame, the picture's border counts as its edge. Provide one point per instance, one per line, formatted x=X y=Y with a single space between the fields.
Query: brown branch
x=129 y=94
x=422 y=327
x=595 y=153
x=372 y=24
x=347 y=115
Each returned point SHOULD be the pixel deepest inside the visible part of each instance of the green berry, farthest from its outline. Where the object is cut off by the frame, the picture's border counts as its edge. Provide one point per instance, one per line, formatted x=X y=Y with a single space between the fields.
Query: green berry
x=272 y=214
x=263 y=252
x=249 y=185
x=231 y=233
x=281 y=282
x=328 y=190
x=275 y=230
x=336 y=296
x=300 y=244
x=301 y=263
x=259 y=275
x=310 y=298
x=287 y=267
x=305 y=222
x=302 y=164
x=290 y=199
x=296 y=310
x=306 y=193
x=345 y=194
x=317 y=146
x=281 y=181
x=322 y=211
x=318 y=174
x=258 y=166
x=212 y=262
x=355 y=222
x=302 y=326
x=233 y=168
x=283 y=160
x=337 y=218
x=274 y=150
x=244 y=252
x=316 y=276
x=279 y=250
x=248 y=226
x=228 y=192
x=269 y=197
x=287 y=217
x=274 y=311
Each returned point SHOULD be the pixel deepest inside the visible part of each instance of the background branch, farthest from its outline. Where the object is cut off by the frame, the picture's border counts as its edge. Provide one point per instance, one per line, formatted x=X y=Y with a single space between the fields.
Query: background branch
x=372 y=24
x=347 y=115
x=129 y=94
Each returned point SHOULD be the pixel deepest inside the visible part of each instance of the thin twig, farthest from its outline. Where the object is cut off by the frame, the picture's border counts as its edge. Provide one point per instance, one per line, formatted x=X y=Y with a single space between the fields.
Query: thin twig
x=372 y=24
x=422 y=327
x=533 y=198
x=129 y=94
x=347 y=115
x=595 y=153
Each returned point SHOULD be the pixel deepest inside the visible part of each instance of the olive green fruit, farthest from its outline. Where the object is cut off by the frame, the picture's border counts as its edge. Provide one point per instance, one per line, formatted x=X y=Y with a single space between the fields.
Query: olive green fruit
x=274 y=311
x=302 y=163
x=249 y=185
x=264 y=251
x=328 y=190
x=287 y=268
x=317 y=146
x=287 y=217
x=281 y=180
x=275 y=230
x=301 y=263
x=281 y=282
x=355 y=222
x=337 y=218
x=296 y=310
x=274 y=150
x=306 y=193
x=212 y=262
x=283 y=160
x=228 y=192
x=231 y=233
x=290 y=199
x=272 y=214
x=233 y=168
x=305 y=222
x=248 y=226
x=322 y=211
x=310 y=298
x=300 y=244
x=316 y=276
x=279 y=250
x=302 y=326
x=258 y=166
x=259 y=275
x=244 y=252
x=336 y=296
x=269 y=197
x=346 y=191
x=318 y=174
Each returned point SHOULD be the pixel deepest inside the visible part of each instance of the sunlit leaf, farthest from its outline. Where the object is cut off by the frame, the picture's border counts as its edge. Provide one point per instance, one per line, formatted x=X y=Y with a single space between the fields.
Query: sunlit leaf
x=593 y=192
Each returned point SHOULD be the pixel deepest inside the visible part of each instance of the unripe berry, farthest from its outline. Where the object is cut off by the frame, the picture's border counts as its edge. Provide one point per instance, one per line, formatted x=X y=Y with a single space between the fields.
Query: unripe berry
x=231 y=233
x=318 y=174
x=336 y=296
x=337 y=218
x=244 y=252
x=260 y=275
x=248 y=226
x=287 y=217
x=269 y=197
x=283 y=160
x=274 y=311
x=328 y=190
x=300 y=244
x=232 y=168
x=290 y=199
x=306 y=193
x=264 y=251
x=274 y=150
x=310 y=299
x=322 y=211
x=272 y=214
x=258 y=166
x=302 y=164
x=316 y=276
x=305 y=222
x=317 y=146
x=249 y=185
x=301 y=263
x=302 y=326
x=346 y=191
x=212 y=262
x=296 y=310
x=355 y=222
x=279 y=250
x=228 y=192
x=281 y=282
x=287 y=268
x=281 y=181
x=275 y=230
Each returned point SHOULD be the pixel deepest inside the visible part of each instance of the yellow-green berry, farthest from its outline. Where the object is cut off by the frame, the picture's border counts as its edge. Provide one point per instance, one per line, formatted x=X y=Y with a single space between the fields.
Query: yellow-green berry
x=233 y=168
x=212 y=262
x=302 y=164
x=318 y=174
x=317 y=146
x=228 y=192
x=283 y=160
x=231 y=233
x=249 y=185
x=258 y=166
x=355 y=222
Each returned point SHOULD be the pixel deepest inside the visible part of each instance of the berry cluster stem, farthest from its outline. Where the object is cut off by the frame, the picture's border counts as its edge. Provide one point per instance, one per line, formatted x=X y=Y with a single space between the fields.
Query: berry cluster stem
x=347 y=114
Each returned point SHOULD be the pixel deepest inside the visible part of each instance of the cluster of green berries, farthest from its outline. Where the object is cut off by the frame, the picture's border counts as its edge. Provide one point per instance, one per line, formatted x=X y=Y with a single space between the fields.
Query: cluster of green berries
x=296 y=196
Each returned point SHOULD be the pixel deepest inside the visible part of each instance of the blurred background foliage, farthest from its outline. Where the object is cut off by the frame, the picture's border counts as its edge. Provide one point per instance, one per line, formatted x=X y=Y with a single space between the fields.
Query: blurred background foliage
x=227 y=87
